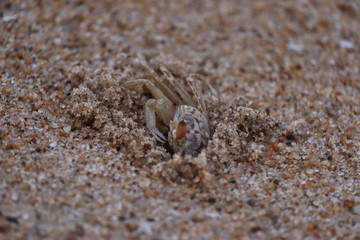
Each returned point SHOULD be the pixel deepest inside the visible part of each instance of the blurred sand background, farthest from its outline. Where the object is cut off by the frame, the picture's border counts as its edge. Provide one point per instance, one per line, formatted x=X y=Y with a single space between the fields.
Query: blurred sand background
x=76 y=158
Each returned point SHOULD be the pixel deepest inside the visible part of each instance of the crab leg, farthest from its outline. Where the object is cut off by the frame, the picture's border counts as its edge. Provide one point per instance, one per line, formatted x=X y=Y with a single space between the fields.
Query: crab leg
x=201 y=79
x=165 y=89
x=156 y=92
x=195 y=89
x=174 y=84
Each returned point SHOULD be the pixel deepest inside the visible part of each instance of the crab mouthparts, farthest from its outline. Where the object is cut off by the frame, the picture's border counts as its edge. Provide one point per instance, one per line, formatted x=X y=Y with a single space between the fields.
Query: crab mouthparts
x=172 y=111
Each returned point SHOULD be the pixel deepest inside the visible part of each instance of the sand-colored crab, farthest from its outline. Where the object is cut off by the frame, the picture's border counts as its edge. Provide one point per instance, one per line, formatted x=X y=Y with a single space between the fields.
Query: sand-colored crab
x=186 y=118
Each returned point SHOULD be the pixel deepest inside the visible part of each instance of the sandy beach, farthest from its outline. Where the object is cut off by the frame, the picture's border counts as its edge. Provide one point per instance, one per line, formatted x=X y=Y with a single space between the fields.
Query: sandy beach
x=78 y=162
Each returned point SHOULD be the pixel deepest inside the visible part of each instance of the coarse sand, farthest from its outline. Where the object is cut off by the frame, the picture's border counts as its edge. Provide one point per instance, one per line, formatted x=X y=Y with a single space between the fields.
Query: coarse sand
x=76 y=158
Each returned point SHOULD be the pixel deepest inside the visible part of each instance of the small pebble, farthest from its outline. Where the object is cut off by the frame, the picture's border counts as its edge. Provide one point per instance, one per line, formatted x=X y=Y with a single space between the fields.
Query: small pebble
x=67 y=129
x=346 y=44
x=10 y=18
x=356 y=209
x=294 y=47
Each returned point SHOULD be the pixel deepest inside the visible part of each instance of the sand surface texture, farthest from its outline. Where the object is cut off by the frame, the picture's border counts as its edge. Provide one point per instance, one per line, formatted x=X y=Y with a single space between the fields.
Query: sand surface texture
x=76 y=158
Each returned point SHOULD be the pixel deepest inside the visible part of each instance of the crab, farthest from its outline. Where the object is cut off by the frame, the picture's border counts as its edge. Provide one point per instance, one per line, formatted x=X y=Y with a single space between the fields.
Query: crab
x=185 y=116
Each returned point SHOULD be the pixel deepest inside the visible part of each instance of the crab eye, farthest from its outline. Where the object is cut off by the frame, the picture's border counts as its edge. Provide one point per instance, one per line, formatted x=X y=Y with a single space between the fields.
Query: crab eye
x=181 y=130
x=172 y=111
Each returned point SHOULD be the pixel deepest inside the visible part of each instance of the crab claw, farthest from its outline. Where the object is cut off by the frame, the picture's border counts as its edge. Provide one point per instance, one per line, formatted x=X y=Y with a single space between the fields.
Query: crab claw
x=159 y=136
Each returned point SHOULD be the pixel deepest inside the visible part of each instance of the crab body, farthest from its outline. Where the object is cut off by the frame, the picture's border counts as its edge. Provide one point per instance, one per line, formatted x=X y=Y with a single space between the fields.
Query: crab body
x=189 y=130
x=186 y=118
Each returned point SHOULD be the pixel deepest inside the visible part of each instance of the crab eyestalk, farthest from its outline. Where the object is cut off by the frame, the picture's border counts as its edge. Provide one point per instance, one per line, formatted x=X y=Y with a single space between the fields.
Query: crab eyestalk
x=181 y=131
